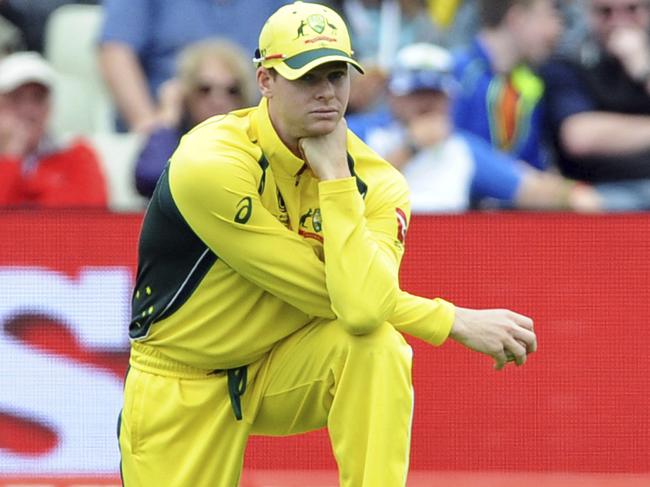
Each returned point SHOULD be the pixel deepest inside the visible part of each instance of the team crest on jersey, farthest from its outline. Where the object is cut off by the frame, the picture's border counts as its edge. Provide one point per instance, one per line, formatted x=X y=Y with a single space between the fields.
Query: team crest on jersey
x=311 y=224
x=283 y=217
x=402 y=224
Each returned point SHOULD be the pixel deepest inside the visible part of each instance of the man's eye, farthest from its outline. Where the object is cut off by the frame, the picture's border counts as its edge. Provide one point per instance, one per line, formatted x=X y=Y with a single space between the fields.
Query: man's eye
x=336 y=76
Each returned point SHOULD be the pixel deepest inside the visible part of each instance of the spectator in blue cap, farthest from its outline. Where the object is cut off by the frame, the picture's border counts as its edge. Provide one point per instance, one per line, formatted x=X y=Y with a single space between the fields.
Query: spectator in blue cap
x=447 y=170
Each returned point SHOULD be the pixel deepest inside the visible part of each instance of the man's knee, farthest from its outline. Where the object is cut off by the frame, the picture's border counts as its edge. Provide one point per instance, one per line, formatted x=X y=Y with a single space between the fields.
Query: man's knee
x=384 y=340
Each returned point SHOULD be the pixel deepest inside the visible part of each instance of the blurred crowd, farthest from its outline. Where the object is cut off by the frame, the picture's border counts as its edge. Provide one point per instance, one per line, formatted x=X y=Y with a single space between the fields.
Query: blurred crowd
x=481 y=104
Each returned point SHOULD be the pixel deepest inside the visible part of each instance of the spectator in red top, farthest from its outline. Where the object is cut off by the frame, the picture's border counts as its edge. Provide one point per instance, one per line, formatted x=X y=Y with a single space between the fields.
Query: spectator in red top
x=34 y=171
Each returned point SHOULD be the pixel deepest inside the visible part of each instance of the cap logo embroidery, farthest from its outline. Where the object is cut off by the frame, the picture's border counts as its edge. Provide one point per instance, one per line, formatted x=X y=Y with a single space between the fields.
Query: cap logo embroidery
x=320 y=38
x=317 y=23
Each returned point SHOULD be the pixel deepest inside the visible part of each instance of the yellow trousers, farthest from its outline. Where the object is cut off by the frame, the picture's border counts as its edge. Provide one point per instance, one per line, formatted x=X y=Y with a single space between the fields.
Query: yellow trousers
x=177 y=427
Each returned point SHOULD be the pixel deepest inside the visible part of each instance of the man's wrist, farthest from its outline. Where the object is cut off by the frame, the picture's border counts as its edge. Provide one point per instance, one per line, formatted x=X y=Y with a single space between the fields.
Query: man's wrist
x=332 y=175
x=332 y=170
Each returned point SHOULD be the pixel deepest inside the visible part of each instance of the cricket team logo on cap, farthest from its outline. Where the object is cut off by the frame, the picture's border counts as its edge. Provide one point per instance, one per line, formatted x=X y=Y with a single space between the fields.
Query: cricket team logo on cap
x=300 y=36
x=317 y=23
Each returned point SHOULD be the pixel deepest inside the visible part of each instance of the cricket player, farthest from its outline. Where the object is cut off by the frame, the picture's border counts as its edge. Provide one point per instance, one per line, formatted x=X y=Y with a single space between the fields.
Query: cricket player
x=267 y=298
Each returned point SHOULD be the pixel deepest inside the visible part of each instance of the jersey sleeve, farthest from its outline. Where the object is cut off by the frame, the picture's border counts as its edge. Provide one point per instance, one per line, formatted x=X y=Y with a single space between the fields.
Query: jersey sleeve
x=369 y=246
x=361 y=268
x=496 y=174
x=427 y=319
x=221 y=203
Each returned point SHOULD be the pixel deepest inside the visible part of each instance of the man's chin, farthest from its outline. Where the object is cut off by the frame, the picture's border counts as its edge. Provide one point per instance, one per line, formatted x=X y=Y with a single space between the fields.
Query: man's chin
x=322 y=127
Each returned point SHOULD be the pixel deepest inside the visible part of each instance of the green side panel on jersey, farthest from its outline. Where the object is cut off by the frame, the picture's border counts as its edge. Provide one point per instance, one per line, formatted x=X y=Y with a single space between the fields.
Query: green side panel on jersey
x=264 y=164
x=361 y=185
x=172 y=261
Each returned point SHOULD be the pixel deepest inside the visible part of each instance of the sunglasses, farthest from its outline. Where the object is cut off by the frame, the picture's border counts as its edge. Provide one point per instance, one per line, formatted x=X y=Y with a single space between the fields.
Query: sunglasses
x=607 y=11
x=205 y=89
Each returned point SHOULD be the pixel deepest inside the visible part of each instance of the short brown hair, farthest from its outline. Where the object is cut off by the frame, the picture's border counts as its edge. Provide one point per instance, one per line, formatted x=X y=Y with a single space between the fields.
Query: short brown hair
x=492 y=12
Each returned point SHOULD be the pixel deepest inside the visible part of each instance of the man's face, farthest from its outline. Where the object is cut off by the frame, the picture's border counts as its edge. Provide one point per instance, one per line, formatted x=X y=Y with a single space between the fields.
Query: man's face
x=425 y=115
x=537 y=30
x=311 y=105
x=420 y=103
x=29 y=105
x=608 y=15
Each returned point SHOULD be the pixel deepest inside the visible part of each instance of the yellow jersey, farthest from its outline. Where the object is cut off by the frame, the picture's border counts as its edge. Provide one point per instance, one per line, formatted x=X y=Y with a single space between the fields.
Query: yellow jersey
x=241 y=245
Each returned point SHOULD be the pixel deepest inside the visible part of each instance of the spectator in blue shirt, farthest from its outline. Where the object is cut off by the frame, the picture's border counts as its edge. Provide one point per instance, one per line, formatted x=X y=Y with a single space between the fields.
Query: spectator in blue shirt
x=140 y=40
x=500 y=95
x=448 y=169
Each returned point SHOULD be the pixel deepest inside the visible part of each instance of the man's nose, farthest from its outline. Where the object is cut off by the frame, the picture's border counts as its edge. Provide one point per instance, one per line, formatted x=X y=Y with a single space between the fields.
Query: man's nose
x=28 y=110
x=326 y=89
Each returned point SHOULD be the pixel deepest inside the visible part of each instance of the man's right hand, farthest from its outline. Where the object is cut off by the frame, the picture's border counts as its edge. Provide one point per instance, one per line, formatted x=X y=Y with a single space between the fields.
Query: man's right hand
x=170 y=105
x=326 y=154
x=499 y=333
x=632 y=48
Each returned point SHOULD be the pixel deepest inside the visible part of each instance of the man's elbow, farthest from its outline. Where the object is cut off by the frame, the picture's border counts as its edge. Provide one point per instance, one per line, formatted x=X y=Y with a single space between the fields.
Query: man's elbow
x=360 y=325
x=361 y=320
x=576 y=138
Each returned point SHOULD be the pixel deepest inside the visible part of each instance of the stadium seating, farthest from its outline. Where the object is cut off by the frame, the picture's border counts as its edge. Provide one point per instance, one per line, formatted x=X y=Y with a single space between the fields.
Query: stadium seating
x=82 y=104
x=118 y=153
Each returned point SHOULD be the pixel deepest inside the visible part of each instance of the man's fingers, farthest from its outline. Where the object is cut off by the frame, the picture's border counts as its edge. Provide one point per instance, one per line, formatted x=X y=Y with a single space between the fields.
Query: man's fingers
x=515 y=351
x=523 y=321
x=504 y=335
x=526 y=338
x=500 y=360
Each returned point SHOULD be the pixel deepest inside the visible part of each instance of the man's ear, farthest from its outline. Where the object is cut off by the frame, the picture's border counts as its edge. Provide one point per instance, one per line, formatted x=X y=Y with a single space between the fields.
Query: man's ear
x=265 y=82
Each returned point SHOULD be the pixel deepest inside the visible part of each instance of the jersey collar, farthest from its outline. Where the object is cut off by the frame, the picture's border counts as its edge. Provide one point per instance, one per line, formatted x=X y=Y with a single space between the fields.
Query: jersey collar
x=278 y=155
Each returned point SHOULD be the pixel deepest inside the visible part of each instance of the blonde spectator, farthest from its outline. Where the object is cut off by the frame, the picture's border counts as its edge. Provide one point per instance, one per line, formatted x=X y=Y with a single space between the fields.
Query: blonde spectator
x=213 y=77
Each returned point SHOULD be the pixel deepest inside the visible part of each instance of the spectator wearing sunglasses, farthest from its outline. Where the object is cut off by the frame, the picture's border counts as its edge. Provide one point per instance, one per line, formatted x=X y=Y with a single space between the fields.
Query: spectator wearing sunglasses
x=598 y=104
x=213 y=77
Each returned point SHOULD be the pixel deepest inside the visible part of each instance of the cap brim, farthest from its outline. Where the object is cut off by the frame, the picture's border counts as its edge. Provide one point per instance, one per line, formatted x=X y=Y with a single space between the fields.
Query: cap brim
x=14 y=83
x=296 y=66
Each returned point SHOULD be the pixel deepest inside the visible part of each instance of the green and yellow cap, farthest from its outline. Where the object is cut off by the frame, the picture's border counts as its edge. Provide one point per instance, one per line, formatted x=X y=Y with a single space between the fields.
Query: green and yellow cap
x=300 y=36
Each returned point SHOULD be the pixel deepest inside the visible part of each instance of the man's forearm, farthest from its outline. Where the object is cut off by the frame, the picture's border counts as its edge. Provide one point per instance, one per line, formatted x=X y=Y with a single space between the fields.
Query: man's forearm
x=128 y=86
x=605 y=134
